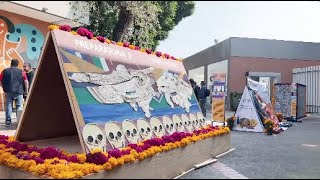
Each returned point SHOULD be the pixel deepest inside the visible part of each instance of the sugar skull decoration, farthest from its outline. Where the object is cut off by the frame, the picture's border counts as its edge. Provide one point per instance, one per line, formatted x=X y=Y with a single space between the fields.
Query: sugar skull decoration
x=178 y=123
x=114 y=135
x=194 y=120
x=94 y=137
x=157 y=127
x=168 y=125
x=130 y=131
x=201 y=119
x=144 y=129
x=186 y=122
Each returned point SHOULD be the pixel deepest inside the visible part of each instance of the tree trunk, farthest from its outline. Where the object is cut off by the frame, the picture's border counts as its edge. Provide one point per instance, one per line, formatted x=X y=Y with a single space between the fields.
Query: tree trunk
x=124 y=28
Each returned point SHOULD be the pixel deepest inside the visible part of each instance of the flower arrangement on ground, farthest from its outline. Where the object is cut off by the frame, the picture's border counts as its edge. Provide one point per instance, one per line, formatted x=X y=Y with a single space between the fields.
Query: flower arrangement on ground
x=51 y=162
x=269 y=125
x=230 y=122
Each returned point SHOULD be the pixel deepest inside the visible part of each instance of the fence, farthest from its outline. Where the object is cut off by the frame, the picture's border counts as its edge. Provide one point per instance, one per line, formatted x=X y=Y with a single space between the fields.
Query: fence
x=309 y=76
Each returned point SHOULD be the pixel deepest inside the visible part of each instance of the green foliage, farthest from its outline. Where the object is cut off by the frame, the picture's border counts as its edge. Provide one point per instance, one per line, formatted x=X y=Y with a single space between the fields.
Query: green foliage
x=143 y=23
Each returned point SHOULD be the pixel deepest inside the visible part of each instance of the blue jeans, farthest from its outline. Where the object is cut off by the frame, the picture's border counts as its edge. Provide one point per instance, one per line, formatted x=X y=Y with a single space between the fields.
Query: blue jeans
x=10 y=97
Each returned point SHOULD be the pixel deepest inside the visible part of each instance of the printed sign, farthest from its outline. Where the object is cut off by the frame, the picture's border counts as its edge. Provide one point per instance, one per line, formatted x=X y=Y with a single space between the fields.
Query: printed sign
x=247 y=118
x=218 y=96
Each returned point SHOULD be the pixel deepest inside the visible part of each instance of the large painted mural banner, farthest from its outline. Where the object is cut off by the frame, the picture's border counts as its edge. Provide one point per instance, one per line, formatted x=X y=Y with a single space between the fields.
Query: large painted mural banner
x=126 y=96
x=19 y=41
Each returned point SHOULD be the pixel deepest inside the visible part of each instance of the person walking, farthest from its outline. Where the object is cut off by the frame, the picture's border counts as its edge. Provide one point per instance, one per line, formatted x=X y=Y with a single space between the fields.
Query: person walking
x=203 y=94
x=195 y=88
x=29 y=72
x=12 y=80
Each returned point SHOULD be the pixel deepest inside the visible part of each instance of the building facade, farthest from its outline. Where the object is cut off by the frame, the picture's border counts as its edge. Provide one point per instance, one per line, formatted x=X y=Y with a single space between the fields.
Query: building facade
x=270 y=61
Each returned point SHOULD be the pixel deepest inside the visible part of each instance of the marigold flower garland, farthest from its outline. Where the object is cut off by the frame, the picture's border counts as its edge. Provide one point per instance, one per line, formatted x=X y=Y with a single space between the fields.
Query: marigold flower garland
x=85 y=32
x=55 y=163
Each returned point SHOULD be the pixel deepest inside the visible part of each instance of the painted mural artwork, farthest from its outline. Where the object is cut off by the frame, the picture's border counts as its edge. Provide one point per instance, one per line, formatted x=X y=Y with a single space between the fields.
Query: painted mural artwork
x=133 y=96
x=18 y=41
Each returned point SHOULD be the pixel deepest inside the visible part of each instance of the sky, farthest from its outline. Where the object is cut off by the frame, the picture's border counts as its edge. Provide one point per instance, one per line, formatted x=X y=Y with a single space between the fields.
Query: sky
x=282 y=20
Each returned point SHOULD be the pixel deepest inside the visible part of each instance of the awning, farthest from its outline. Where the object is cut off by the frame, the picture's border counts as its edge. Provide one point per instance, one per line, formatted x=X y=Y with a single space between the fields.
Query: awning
x=37 y=14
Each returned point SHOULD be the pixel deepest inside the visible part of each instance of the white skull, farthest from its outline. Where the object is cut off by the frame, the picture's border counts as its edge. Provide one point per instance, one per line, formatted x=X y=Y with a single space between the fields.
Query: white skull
x=114 y=135
x=187 y=123
x=201 y=119
x=195 y=122
x=178 y=123
x=130 y=131
x=157 y=127
x=94 y=137
x=168 y=124
x=144 y=129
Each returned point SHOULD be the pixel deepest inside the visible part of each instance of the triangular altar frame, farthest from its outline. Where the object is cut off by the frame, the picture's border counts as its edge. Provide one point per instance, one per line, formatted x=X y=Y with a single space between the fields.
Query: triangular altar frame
x=44 y=118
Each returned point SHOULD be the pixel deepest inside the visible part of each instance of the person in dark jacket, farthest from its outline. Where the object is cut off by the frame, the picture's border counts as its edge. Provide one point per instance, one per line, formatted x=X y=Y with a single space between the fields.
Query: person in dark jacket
x=29 y=72
x=203 y=94
x=195 y=88
x=12 y=80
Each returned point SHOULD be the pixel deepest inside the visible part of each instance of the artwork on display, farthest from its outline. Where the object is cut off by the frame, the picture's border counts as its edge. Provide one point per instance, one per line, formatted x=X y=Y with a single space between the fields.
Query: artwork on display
x=21 y=41
x=260 y=88
x=125 y=96
x=282 y=102
x=247 y=118
x=218 y=89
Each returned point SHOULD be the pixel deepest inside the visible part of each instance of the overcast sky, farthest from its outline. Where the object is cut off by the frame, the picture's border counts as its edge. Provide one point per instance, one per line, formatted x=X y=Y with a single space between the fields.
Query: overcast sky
x=298 y=21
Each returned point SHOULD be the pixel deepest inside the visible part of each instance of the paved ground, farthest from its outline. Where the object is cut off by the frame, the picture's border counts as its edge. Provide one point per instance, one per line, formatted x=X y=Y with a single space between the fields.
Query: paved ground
x=295 y=153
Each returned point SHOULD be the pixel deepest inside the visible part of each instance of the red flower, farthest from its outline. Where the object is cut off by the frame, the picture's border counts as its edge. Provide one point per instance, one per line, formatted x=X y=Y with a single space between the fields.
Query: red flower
x=4 y=137
x=149 y=51
x=89 y=35
x=101 y=39
x=82 y=31
x=136 y=48
x=158 y=53
x=126 y=44
x=3 y=141
x=97 y=158
x=173 y=58
x=65 y=28
x=50 y=152
x=115 y=153
x=167 y=56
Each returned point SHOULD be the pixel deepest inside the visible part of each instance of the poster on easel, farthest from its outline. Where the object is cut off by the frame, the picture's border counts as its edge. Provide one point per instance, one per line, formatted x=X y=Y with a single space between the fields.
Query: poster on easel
x=218 y=89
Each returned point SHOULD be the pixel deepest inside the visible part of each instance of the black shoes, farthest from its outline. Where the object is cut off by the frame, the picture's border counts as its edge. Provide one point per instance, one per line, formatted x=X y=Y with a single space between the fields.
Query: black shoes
x=8 y=122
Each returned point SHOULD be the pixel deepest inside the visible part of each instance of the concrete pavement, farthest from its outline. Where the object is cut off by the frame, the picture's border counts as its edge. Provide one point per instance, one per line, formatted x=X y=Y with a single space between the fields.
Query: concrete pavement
x=293 y=154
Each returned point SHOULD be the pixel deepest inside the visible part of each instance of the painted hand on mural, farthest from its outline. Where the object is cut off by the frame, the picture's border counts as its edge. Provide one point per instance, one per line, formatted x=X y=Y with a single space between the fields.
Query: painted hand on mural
x=19 y=41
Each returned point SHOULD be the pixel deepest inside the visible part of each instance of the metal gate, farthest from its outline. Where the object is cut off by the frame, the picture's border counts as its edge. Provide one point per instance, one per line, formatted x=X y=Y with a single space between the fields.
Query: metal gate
x=309 y=76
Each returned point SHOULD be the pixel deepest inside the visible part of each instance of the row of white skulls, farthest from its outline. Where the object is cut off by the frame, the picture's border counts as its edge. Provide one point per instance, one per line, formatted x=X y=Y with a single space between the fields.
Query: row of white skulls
x=96 y=138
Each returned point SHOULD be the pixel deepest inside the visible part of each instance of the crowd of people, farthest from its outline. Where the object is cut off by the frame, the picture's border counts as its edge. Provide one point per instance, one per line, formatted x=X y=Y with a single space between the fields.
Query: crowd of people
x=15 y=83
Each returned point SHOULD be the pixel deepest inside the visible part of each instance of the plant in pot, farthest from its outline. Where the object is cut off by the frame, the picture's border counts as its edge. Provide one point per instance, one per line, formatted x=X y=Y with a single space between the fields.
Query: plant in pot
x=269 y=125
x=230 y=122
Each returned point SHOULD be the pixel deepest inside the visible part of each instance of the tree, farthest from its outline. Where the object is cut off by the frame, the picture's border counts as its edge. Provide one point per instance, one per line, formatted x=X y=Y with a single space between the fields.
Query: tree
x=142 y=23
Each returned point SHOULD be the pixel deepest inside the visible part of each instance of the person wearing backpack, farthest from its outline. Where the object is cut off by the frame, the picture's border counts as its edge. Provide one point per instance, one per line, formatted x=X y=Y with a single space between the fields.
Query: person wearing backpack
x=203 y=94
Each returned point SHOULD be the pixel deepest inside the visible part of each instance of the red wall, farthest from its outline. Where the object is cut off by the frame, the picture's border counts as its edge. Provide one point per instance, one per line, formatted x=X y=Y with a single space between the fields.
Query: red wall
x=240 y=65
